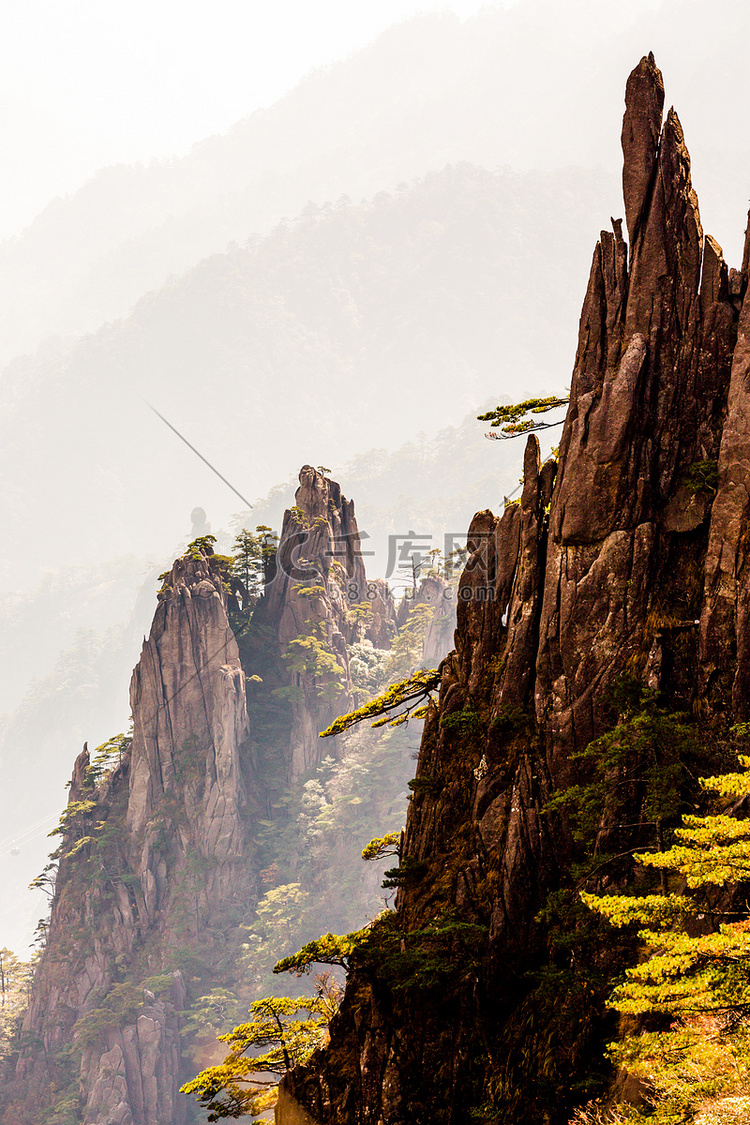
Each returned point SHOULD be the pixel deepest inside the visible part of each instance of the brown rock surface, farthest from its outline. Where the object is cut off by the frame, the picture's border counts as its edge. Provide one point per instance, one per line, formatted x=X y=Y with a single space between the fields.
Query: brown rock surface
x=170 y=866
x=641 y=126
x=314 y=592
x=157 y=857
x=598 y=573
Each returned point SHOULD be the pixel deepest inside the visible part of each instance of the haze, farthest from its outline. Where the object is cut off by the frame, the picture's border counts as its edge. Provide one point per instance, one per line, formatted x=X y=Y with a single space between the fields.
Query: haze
x=304 y=236
x=85 y=84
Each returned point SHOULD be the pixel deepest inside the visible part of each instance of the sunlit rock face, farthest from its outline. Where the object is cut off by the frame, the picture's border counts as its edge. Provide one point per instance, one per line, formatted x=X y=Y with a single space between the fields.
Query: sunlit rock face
x=162 y=872
x=189 y=709
x=625 y=558
x=318 y=594
x=157 y=870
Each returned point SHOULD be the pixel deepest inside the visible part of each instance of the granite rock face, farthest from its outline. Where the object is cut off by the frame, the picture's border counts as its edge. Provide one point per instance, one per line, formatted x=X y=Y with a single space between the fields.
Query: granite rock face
x=314 y=602
x=156 y=864
x=154 y=858
x=628 y=558
x=187 y=697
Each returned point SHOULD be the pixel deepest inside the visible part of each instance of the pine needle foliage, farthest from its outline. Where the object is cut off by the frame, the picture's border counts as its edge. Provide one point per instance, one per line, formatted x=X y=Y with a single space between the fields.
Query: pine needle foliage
x=407 y=699
x=511 y=421
x=282 y=1034
x=693 y=982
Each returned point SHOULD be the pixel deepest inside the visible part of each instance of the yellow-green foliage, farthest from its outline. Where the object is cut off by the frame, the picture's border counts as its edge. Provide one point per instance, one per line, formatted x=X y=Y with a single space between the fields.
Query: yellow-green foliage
x=107 y=756
x=696 y=970
x=511 y=420
x=382 y=846
x=409 y=694
x=330 y=949
x=443 y=951
x=310 y=654
x=282 y=1034
x=200 y=547
x=15 y=983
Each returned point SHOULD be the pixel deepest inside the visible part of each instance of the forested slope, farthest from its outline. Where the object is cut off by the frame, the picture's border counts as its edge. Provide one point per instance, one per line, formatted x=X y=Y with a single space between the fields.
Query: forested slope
x=214 y=837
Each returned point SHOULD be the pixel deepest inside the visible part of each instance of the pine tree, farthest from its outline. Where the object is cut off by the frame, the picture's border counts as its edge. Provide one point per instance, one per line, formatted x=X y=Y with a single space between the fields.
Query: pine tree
x=281 y=1034
x=689 y=997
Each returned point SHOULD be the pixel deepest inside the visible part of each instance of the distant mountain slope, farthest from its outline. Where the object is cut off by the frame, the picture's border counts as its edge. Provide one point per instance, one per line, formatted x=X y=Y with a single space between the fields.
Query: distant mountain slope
x=70 y=645
x=530 y=87
x=350 y=328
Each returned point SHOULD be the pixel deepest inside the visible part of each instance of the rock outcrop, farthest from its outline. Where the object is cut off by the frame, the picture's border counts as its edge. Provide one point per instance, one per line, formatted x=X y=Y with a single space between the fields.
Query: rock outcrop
x=621 y=574
x=626 y=563
x=157 y=877
x=435 y=593
x=153 y=871
x=318 y=602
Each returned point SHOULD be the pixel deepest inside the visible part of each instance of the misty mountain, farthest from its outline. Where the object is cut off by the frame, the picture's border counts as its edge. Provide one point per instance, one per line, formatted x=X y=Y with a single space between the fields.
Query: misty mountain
x=534 y=86
x=352 y=327
x=69 y=646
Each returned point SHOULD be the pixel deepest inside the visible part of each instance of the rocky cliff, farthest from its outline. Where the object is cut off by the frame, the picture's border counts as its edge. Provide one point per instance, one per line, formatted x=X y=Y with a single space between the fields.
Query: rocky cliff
x=315 y=597
x=158 y=876
x=621 y=572
x=152 y=871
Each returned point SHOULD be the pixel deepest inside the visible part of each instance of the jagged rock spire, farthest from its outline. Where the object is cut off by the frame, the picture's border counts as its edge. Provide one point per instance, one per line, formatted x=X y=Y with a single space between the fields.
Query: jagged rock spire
x=554 y=610
x=641 y=127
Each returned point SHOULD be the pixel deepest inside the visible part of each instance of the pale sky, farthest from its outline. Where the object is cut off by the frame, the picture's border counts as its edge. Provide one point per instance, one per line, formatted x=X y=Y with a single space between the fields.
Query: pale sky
x=86 y=83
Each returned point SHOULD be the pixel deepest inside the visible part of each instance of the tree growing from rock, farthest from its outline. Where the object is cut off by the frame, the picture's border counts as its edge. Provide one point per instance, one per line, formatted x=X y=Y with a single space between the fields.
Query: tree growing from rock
x=689 y=996
x=511 y=419
x=282 y=1033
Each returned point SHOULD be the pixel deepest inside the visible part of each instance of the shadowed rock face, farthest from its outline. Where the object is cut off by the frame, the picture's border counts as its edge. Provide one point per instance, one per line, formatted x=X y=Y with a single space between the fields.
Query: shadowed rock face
x=725 y=620
x=621 y=559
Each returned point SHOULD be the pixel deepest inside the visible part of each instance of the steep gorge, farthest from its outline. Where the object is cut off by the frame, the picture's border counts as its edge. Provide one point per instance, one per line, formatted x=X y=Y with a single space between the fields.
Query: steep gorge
x=621 y=571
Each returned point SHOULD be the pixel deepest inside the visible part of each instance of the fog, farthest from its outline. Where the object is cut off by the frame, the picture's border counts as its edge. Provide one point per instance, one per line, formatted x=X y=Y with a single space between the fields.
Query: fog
x=347 y=276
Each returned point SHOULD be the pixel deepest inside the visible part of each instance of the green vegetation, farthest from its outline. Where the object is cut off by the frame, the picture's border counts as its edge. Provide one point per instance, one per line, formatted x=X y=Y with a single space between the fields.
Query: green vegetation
x=107 y=756
x=408 y=870
x=282 y=1034
x=406 y=650
x=628 y=791
x=511 y=418
x=702 y=476
x=436 y=955
x=121 y=1005
x=15 y=983
x=209 y=1016
x=333 y=813
x=252 y=554
x=687 y=1001
x=382 y=847
x=368 y=668
x=636 y=775
x=310 y=654
x=407 y=698
x=203 y=545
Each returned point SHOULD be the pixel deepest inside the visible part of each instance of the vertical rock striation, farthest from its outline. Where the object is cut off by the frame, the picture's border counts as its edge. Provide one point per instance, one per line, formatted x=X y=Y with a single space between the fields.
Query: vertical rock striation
x=621 y=560
x=156 y=869
x=314 y=600
x=153 y=870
